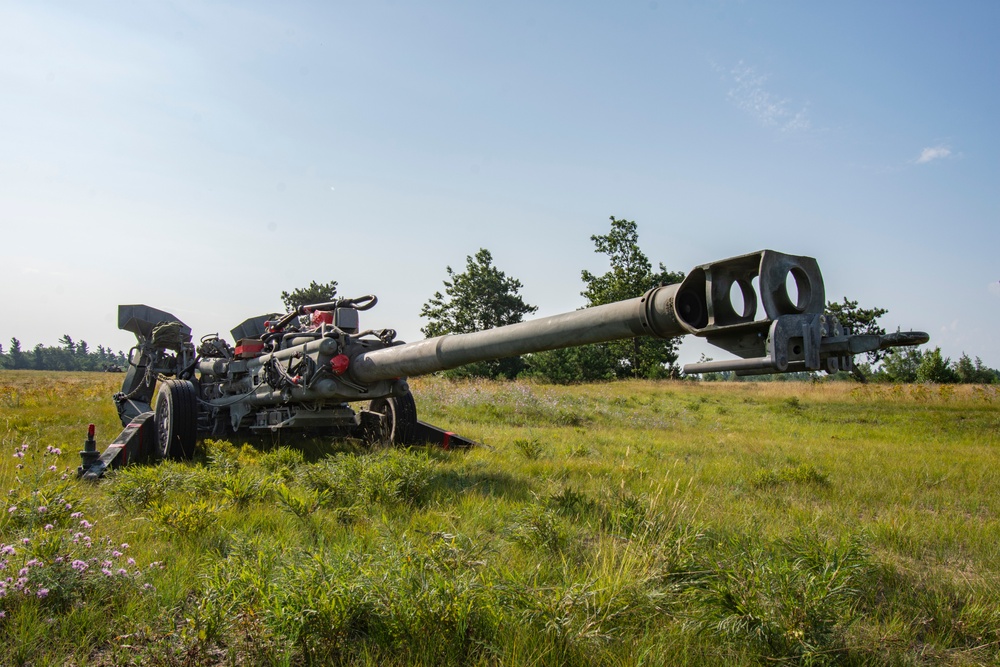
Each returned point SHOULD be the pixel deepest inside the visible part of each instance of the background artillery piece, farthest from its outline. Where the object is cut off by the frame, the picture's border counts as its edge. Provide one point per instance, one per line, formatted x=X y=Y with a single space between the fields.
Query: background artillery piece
x=304 y=370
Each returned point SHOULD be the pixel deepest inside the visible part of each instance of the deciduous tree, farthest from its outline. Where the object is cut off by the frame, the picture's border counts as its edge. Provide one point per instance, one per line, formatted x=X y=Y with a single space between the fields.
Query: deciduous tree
x=631 y=275
x=481 y=297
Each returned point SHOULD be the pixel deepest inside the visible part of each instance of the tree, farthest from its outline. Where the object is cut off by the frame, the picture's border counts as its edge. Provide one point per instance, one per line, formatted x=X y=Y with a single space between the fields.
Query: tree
x=901 y=364
x=973 y=373
x=16 y=355
x=481 y=297
x=587 y=363
x=631 y=275
x=314 y=293
x=936 y=368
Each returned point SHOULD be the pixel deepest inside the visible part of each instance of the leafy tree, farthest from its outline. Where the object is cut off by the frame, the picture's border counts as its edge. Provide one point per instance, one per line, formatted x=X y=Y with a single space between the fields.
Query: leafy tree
x=588 y=363
x=314 y=293
x=39 y=355
x=936 y=368
x=481 y=297
x=631 y=275
x=973 y=373
x=901 y=364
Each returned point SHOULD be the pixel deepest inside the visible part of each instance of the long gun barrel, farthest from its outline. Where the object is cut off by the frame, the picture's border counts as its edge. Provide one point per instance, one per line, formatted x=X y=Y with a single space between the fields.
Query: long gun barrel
x=793 y=333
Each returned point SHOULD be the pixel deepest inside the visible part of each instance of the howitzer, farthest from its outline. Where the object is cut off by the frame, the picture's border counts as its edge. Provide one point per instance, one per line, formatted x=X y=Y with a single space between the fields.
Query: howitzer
x=307 y=368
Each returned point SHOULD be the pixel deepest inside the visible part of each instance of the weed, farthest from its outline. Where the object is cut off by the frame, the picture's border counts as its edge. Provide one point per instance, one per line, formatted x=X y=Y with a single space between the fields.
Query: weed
x=529 y=449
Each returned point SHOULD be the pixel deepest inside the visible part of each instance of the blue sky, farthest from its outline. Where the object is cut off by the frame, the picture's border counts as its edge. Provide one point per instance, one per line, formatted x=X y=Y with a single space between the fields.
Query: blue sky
x=203 y=157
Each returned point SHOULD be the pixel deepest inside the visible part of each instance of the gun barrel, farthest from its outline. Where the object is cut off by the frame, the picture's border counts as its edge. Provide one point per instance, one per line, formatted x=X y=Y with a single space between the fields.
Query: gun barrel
x=649 y=315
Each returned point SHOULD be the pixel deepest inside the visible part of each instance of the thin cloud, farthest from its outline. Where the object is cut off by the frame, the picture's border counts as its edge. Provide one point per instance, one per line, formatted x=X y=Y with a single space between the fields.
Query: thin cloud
x=933 y=153
x=994 y=288
x=749 y=93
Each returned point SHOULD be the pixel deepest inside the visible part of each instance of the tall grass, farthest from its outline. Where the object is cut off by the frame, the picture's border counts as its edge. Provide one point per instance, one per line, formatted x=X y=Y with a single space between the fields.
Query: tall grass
x=609 y=524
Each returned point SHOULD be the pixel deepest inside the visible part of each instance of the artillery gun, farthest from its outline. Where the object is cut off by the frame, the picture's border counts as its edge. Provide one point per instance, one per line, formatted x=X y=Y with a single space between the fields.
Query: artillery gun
x=311 y=368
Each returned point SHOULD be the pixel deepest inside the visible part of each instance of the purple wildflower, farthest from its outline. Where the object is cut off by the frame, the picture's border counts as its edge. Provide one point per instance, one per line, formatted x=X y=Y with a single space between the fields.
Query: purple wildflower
x=42 y=592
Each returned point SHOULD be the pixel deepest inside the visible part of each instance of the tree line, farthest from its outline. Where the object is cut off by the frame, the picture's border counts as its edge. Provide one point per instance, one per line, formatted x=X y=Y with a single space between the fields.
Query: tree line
x=69 y=355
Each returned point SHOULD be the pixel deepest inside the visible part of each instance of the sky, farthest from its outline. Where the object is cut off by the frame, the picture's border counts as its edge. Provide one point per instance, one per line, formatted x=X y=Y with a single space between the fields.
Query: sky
x=202 y=157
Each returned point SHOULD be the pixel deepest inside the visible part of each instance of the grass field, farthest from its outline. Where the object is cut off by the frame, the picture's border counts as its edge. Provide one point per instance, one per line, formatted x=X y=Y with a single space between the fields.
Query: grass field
x=635 y=523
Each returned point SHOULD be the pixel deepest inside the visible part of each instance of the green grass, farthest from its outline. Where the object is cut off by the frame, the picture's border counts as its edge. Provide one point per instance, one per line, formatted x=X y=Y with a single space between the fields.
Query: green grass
x=635 y=523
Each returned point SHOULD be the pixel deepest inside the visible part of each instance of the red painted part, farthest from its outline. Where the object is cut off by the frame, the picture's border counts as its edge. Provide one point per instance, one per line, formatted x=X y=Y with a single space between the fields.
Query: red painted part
x=340 y=363
x=249 y=348
x=90 y=432
x=447 y=440
x=321 y=317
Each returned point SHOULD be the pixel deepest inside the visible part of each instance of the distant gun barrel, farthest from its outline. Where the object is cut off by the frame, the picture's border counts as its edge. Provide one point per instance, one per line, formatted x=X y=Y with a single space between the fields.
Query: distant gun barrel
x=717 y=301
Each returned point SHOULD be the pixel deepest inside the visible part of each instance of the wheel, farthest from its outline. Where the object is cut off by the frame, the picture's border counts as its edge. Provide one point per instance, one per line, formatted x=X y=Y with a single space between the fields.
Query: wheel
x=176 y=419
x=400 y=419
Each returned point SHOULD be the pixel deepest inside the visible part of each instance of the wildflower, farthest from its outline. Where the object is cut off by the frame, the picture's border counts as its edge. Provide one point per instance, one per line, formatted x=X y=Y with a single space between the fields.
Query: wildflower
x=49 y=526
x=62 y=478
x=19 y=454
x=42 y=509
x=59 y=559
x=26 y=540
x=79 y=565
x=124 y=545
x=24 y=447
x=107 y=572
x=131 y=561
x=33 y=562
x=52 y=468
x=69 y=506
x=86 y=524
x=23 y=572
x=42 y=592
x=12 y=509
x=3 y=614
x=75 y=515
x=3 y=566
x=122 y=571
x=19 y=466
x=106 y=563
x=7 y=550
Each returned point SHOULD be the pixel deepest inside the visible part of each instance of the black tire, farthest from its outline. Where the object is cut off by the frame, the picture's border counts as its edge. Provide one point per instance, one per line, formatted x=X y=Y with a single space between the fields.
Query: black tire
x=400 y=420
x=176 y=419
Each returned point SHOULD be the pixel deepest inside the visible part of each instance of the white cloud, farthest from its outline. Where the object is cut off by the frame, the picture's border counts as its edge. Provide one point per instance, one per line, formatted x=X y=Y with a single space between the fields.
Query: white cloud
x=933 y=153
x=750 y=94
